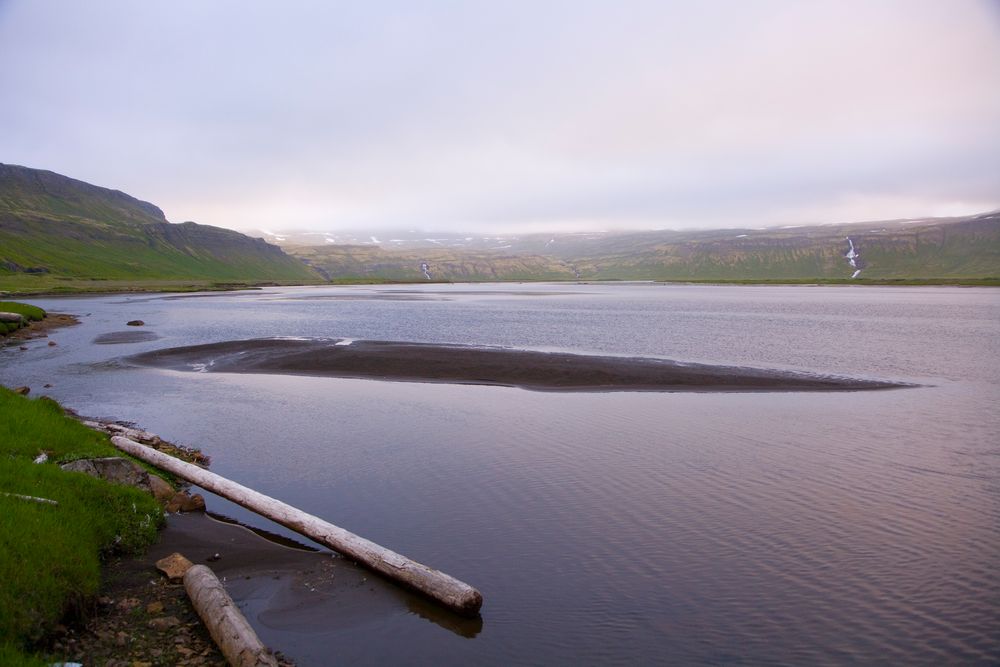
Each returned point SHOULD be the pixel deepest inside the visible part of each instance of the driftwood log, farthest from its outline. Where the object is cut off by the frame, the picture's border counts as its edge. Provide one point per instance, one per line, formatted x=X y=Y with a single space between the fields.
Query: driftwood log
x=451 y=592
x=228 y=627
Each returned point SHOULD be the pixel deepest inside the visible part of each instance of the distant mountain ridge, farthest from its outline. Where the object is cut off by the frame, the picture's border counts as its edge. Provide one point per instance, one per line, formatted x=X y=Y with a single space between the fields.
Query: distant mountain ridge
x=929 y=248
x=60 y=226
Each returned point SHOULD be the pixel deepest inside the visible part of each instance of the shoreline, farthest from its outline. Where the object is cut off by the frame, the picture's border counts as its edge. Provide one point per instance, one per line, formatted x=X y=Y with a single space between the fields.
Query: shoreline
x=538 y=371
x=159 y=287
x=284 y=586
x=40 y=328
x=133 y=619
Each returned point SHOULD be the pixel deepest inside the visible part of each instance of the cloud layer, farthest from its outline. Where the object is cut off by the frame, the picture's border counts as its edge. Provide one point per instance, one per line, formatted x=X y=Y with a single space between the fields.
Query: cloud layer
x=520 y=115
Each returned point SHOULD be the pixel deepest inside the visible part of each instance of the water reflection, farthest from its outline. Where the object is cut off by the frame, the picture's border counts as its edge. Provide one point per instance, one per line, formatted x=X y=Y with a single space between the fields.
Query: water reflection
x=462 y=626
x=605 y=528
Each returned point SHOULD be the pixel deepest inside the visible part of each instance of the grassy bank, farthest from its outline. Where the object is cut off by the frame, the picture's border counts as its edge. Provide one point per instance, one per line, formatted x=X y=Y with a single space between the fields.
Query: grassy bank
x=33 y=313
x=28 y=313
x=50 y=556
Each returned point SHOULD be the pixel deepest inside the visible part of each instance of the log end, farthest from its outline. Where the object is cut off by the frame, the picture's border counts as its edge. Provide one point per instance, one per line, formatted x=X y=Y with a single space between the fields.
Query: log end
x=472 y=604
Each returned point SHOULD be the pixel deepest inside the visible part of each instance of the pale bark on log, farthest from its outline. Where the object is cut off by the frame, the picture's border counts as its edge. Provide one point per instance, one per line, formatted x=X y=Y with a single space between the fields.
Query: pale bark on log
x=451 y=592
x=227 y=625
x=112 y=428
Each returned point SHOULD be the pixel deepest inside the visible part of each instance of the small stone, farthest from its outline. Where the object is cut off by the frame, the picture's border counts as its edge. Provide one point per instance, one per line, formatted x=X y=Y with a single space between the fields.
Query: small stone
x=184 y=651
x=128 y=603
x=121 y=639
x=139 y=663
x=193 y=503
x=183 y=502
x=135 y=323
x=113 y=469
x=23 y=348
x=81 y=465
x=47 y=385
x=23 y=391
x=213 y=558
x=162 y=490
x=174 y=566
x=52 y=343
x=154 y=608
x=163 y=623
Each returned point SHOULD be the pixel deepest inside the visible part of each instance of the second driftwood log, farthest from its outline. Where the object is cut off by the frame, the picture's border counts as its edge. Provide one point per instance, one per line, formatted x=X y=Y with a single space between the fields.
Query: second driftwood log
x=451 y=592
x=228 y=627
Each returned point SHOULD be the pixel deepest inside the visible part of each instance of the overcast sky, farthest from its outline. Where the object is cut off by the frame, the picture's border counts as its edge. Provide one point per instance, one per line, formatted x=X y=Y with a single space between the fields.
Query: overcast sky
x=511 y=115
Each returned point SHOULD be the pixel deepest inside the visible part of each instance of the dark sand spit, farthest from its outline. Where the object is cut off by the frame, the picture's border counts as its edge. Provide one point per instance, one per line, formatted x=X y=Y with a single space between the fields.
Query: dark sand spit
x=542 y=371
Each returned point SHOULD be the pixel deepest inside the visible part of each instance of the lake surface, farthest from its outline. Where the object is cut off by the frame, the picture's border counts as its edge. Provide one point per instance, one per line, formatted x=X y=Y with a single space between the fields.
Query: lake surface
x=606 y=528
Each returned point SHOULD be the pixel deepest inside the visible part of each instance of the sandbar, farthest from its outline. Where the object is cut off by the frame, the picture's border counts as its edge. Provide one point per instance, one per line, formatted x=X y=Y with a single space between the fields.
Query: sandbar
x=124 y=337
x=460 y=364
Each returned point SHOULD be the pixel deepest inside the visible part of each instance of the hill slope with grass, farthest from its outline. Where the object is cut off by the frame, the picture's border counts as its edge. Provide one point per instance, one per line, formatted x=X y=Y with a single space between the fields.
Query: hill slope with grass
x=54 y=227
x=917 y=249
x=366 y=262
x=51 y=550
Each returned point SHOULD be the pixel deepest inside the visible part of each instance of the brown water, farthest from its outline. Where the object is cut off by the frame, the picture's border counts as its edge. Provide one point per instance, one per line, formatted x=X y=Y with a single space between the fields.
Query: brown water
x=608 y=528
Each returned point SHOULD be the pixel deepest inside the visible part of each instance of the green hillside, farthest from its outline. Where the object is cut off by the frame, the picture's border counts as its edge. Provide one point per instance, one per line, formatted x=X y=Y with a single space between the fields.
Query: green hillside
x=954 y=249
x=346 y=262
x=964 y=248
x=56 y=228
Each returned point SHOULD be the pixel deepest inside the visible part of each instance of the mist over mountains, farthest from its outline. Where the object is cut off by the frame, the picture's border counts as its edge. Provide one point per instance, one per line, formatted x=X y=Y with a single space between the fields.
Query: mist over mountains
x=959 y=247
x=53 y=227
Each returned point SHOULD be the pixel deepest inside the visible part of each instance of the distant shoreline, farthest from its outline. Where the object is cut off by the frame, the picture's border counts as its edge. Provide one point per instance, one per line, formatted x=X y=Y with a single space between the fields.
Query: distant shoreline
x=97 y=287
x=540 y=371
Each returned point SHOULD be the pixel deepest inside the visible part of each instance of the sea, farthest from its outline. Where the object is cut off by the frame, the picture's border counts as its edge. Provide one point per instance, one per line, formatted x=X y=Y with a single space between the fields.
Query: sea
x=617 y=528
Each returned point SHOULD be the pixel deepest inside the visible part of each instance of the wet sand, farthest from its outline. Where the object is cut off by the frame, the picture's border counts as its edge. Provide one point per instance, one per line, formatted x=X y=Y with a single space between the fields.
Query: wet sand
x=290 y=591
x=541 y=371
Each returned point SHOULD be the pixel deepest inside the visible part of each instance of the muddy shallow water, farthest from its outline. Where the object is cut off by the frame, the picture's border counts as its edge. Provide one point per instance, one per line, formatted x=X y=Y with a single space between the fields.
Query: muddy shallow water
x=607 y=528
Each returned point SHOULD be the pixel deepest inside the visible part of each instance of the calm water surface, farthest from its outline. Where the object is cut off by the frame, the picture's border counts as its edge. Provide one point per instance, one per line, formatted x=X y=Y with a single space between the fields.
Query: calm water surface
x=617 y=528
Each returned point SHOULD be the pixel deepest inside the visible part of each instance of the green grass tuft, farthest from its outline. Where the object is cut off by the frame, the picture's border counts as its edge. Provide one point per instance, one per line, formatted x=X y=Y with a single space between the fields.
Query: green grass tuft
x=33 y=313
x=29 y=427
